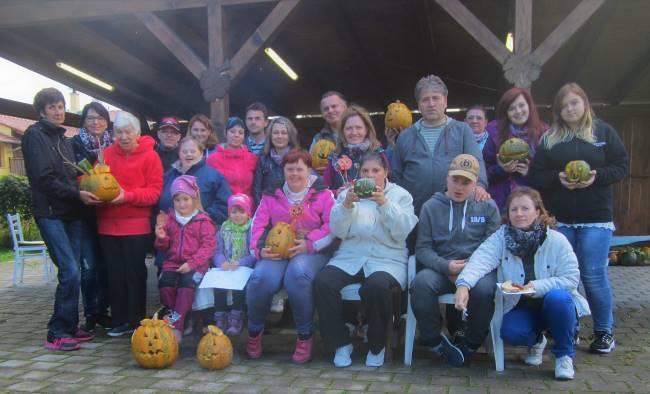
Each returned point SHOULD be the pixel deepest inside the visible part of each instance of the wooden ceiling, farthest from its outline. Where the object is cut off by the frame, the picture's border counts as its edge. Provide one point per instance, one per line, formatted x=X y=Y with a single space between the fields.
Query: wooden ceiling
x=373 y=51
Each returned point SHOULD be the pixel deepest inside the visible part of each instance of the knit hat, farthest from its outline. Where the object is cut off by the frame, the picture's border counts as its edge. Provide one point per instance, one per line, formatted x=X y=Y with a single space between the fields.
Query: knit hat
x=242 y=201
x=466 y=166
x=235 y=121
x=185 y=184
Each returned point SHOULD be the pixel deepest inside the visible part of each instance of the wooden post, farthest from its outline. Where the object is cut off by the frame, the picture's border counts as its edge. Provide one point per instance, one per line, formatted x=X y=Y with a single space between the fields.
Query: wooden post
x=523 y=26
x=219 y=108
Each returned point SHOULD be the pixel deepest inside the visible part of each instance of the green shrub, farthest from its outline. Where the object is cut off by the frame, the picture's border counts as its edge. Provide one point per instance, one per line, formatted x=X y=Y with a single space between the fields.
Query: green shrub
x=15 y=197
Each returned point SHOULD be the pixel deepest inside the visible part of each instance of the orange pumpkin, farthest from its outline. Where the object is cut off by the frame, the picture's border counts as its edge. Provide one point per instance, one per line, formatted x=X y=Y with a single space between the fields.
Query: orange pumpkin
x=214 y=350
x=153 y=344
x=320 y=152
x=281 y=237
x=100 y=182
x=398 y=116
x=577 y=171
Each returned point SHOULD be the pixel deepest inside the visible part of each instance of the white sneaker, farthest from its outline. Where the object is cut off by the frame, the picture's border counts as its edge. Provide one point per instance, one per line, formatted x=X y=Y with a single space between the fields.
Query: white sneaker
x=564 y=368
x=535 y=352
x=375 y=360
x=277 y=304
x=342 y=357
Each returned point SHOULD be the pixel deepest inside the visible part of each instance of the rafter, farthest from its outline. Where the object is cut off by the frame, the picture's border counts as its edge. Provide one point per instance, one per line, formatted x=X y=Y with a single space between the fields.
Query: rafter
x=630 y=79
x=523 y=26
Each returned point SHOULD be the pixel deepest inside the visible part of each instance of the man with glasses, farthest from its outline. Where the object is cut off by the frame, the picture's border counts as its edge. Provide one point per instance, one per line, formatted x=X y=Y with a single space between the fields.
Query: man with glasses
x=169 y=134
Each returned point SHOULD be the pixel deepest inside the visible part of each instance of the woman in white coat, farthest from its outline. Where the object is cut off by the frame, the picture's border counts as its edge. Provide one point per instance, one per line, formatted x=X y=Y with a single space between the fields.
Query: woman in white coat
x=528 y=252
x=373 y=252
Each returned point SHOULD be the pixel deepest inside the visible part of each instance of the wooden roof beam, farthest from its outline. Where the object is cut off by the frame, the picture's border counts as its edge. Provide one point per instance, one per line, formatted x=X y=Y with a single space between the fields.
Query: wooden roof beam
x=629 y=80
x=523 y=26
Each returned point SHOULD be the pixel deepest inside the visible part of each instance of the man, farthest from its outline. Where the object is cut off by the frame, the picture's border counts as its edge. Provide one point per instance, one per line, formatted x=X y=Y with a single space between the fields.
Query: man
x=476 y=118
x=332 y=106
x=56 y=202
x=424 y=151
x=169 y=134
x=256 y=122
x=452 y=225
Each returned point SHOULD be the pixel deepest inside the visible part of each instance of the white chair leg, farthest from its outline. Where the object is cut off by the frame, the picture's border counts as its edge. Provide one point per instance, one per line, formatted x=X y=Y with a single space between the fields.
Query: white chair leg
x=409 y=334
x=495 y=331
x=14 y=279
x=19 y=268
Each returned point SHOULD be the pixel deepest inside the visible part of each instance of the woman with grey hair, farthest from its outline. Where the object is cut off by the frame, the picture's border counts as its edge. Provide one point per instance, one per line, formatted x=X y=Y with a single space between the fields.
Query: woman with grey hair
x=124 y=224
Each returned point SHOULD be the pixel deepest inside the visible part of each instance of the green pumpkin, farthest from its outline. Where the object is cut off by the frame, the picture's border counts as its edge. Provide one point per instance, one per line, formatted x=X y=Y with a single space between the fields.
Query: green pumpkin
x=513 y=149
x=577 y=171
x=364 y=187
x=628 y=258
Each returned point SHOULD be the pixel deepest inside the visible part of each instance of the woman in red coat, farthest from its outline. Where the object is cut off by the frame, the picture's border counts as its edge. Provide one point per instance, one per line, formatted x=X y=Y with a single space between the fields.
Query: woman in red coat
x=234 y=160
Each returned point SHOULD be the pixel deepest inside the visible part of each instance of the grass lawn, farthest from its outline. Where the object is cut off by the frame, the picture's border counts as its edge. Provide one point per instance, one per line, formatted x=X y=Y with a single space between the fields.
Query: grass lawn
x=6 y=255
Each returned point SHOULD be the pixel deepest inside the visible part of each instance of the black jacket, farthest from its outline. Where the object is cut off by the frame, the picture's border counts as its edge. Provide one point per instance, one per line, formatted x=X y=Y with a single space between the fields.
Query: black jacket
x=269 y=175
x=167 y=156
x=593 y=204
x=55 y=194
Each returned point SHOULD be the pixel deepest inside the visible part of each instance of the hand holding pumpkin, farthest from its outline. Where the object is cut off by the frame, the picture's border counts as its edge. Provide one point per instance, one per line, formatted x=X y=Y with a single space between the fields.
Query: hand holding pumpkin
x=266 y=253
x=378 y=196
x=301 y=247
x=391 y=136
x=89 y=198
x=565 y=182
x=119 y=199
x=588 y=182
x=350 y=199
x=522 y=167
x=508 y=166
x=184 y=268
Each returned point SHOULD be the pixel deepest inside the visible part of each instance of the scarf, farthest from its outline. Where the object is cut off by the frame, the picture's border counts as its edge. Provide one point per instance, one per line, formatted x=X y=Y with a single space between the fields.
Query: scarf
x=183 y=220
x=481 y=138
x=524 y=242
x=278 y=156
x=297 y=197
x=91 y=143
x=357 y=150
x=234 y=238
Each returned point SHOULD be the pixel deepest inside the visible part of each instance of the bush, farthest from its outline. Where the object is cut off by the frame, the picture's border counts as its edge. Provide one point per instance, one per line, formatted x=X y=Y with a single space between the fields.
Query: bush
x=15 y=197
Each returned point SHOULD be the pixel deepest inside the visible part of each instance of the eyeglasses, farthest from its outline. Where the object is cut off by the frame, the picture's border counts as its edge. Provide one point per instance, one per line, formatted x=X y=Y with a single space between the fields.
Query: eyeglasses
x=475 y=117
x=92 y=119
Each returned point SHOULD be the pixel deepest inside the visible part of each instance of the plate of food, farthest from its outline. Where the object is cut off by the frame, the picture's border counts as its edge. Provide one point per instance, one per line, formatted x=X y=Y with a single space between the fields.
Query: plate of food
x=512 y=288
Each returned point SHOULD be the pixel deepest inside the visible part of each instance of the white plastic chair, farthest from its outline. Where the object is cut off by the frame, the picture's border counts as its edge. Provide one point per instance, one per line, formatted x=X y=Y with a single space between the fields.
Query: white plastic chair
x=495 y=324
x=26 y=249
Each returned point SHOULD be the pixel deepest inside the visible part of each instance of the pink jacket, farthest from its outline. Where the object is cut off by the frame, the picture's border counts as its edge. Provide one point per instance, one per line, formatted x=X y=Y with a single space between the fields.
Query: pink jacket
x=315 y=218
x=195 y=243
x=237 y=166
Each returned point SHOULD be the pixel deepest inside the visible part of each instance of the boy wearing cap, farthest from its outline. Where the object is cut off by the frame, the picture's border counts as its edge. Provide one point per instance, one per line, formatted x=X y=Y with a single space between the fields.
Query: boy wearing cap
x=452 y=225
x=169 y=134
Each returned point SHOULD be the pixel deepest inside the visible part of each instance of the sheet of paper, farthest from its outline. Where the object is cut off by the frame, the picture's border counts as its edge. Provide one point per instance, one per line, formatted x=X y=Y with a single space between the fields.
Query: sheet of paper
x=226 y=279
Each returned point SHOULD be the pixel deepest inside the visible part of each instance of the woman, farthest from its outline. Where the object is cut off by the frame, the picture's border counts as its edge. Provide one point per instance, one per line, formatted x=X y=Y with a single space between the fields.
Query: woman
x=528 y=252
x=234 y=160
x=200 y=127
x=124 y=224
x=305 y=203
x=373 y=251
x=281 y=137
x=94 y=136
x=516 y=116
x=358 y=138
x=583 y=209
x=476 y=118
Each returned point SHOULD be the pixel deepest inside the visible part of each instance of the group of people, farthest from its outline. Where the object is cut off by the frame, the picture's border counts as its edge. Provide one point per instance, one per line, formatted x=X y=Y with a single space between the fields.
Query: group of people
x=442 y=192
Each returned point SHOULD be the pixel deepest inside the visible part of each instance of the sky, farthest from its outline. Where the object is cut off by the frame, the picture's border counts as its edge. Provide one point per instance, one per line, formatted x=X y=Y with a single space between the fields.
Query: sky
x=21 y=84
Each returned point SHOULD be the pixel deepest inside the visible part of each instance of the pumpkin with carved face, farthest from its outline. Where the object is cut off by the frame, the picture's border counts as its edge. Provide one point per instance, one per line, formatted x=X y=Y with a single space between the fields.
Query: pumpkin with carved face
x=398 y=116
x=577 y=171
x=154 y=345
x=513 y=149
x=320 y=152
x=214 y=350
x=100 y=182
x=281 y=237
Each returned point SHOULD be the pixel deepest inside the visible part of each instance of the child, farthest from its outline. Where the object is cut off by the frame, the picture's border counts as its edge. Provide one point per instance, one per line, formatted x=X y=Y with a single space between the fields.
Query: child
x=233 y=251
x=187 y=237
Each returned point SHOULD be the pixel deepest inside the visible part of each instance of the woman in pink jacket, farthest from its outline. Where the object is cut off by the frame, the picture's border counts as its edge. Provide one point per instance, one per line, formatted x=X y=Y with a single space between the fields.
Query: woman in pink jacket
x=304 y=202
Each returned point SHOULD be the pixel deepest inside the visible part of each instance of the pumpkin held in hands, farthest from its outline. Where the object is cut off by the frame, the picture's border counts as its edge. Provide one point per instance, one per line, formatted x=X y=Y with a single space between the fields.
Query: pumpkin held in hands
x=577 y=171
x=153 y=344
x=398 y=116
x=100 y=182
x=281 y=237
x=214 y=350
x=513 y=149
x=320 y=152
x=364 y=187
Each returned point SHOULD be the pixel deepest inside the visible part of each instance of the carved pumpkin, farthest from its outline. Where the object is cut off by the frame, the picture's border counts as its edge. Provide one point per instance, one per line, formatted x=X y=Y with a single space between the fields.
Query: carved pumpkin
x=100 y=182
x=513 y=149
x=214 y=350
x=153 y=344
x=364 y=187
x=281 y=237
x=398 y=116
x=577 y=171
x=320 y=152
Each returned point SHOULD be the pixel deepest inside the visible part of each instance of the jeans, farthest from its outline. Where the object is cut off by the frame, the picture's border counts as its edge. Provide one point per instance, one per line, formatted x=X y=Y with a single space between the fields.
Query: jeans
x=523 y=326
x=94 y=283
x=591 y=245
x=62 y=239
x=297 y=275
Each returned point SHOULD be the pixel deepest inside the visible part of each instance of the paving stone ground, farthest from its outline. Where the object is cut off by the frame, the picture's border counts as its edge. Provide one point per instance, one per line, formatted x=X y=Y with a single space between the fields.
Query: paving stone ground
x=106 y=365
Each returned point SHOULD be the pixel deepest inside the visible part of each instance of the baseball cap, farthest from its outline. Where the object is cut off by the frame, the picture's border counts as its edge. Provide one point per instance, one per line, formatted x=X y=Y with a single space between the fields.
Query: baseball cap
x=466 y=166
x=170 y=121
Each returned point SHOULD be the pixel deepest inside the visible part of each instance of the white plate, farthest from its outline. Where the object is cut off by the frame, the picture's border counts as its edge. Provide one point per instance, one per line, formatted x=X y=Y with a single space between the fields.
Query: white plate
x=522 y=292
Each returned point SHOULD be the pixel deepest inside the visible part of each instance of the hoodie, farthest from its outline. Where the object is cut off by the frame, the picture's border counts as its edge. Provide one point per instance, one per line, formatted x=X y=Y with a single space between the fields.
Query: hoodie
x=238 y=167
x=452 y=231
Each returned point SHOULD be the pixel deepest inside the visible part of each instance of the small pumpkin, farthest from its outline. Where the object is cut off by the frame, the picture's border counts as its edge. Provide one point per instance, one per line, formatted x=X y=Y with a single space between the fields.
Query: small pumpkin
x=628 y=258
x=513 y=149
x=364 y=187
x=214 y=350
x=100 y=182
x=281 y=237
x=320 y=152
x=577 y=171
x=398 y=116
x=153 y=344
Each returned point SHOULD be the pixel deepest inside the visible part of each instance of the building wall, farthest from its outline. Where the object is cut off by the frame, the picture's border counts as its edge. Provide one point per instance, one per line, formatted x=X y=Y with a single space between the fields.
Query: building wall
x=6 y=152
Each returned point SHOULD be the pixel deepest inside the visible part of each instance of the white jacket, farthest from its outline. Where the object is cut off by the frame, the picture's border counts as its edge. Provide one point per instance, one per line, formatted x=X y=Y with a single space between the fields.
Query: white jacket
x=374 y=237
x=556 y=267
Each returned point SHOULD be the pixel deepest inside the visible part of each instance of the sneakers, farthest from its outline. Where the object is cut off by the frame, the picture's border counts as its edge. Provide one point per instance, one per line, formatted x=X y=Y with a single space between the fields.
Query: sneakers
x=235 y=322
x=254 y=347
x=93 y=321
x=82 y=335
x=564 y=368
x=62 y=344
x=342 y=357
x=535 y=352
x=122 y=329
x=603 y=342
x=450 y=353
x=375 y=360
x=221 y=321
x=302 y=354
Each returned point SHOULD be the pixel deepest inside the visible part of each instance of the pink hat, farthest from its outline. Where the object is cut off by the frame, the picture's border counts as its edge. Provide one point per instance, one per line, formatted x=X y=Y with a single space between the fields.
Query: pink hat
x=242 y=201
x=185 y=184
